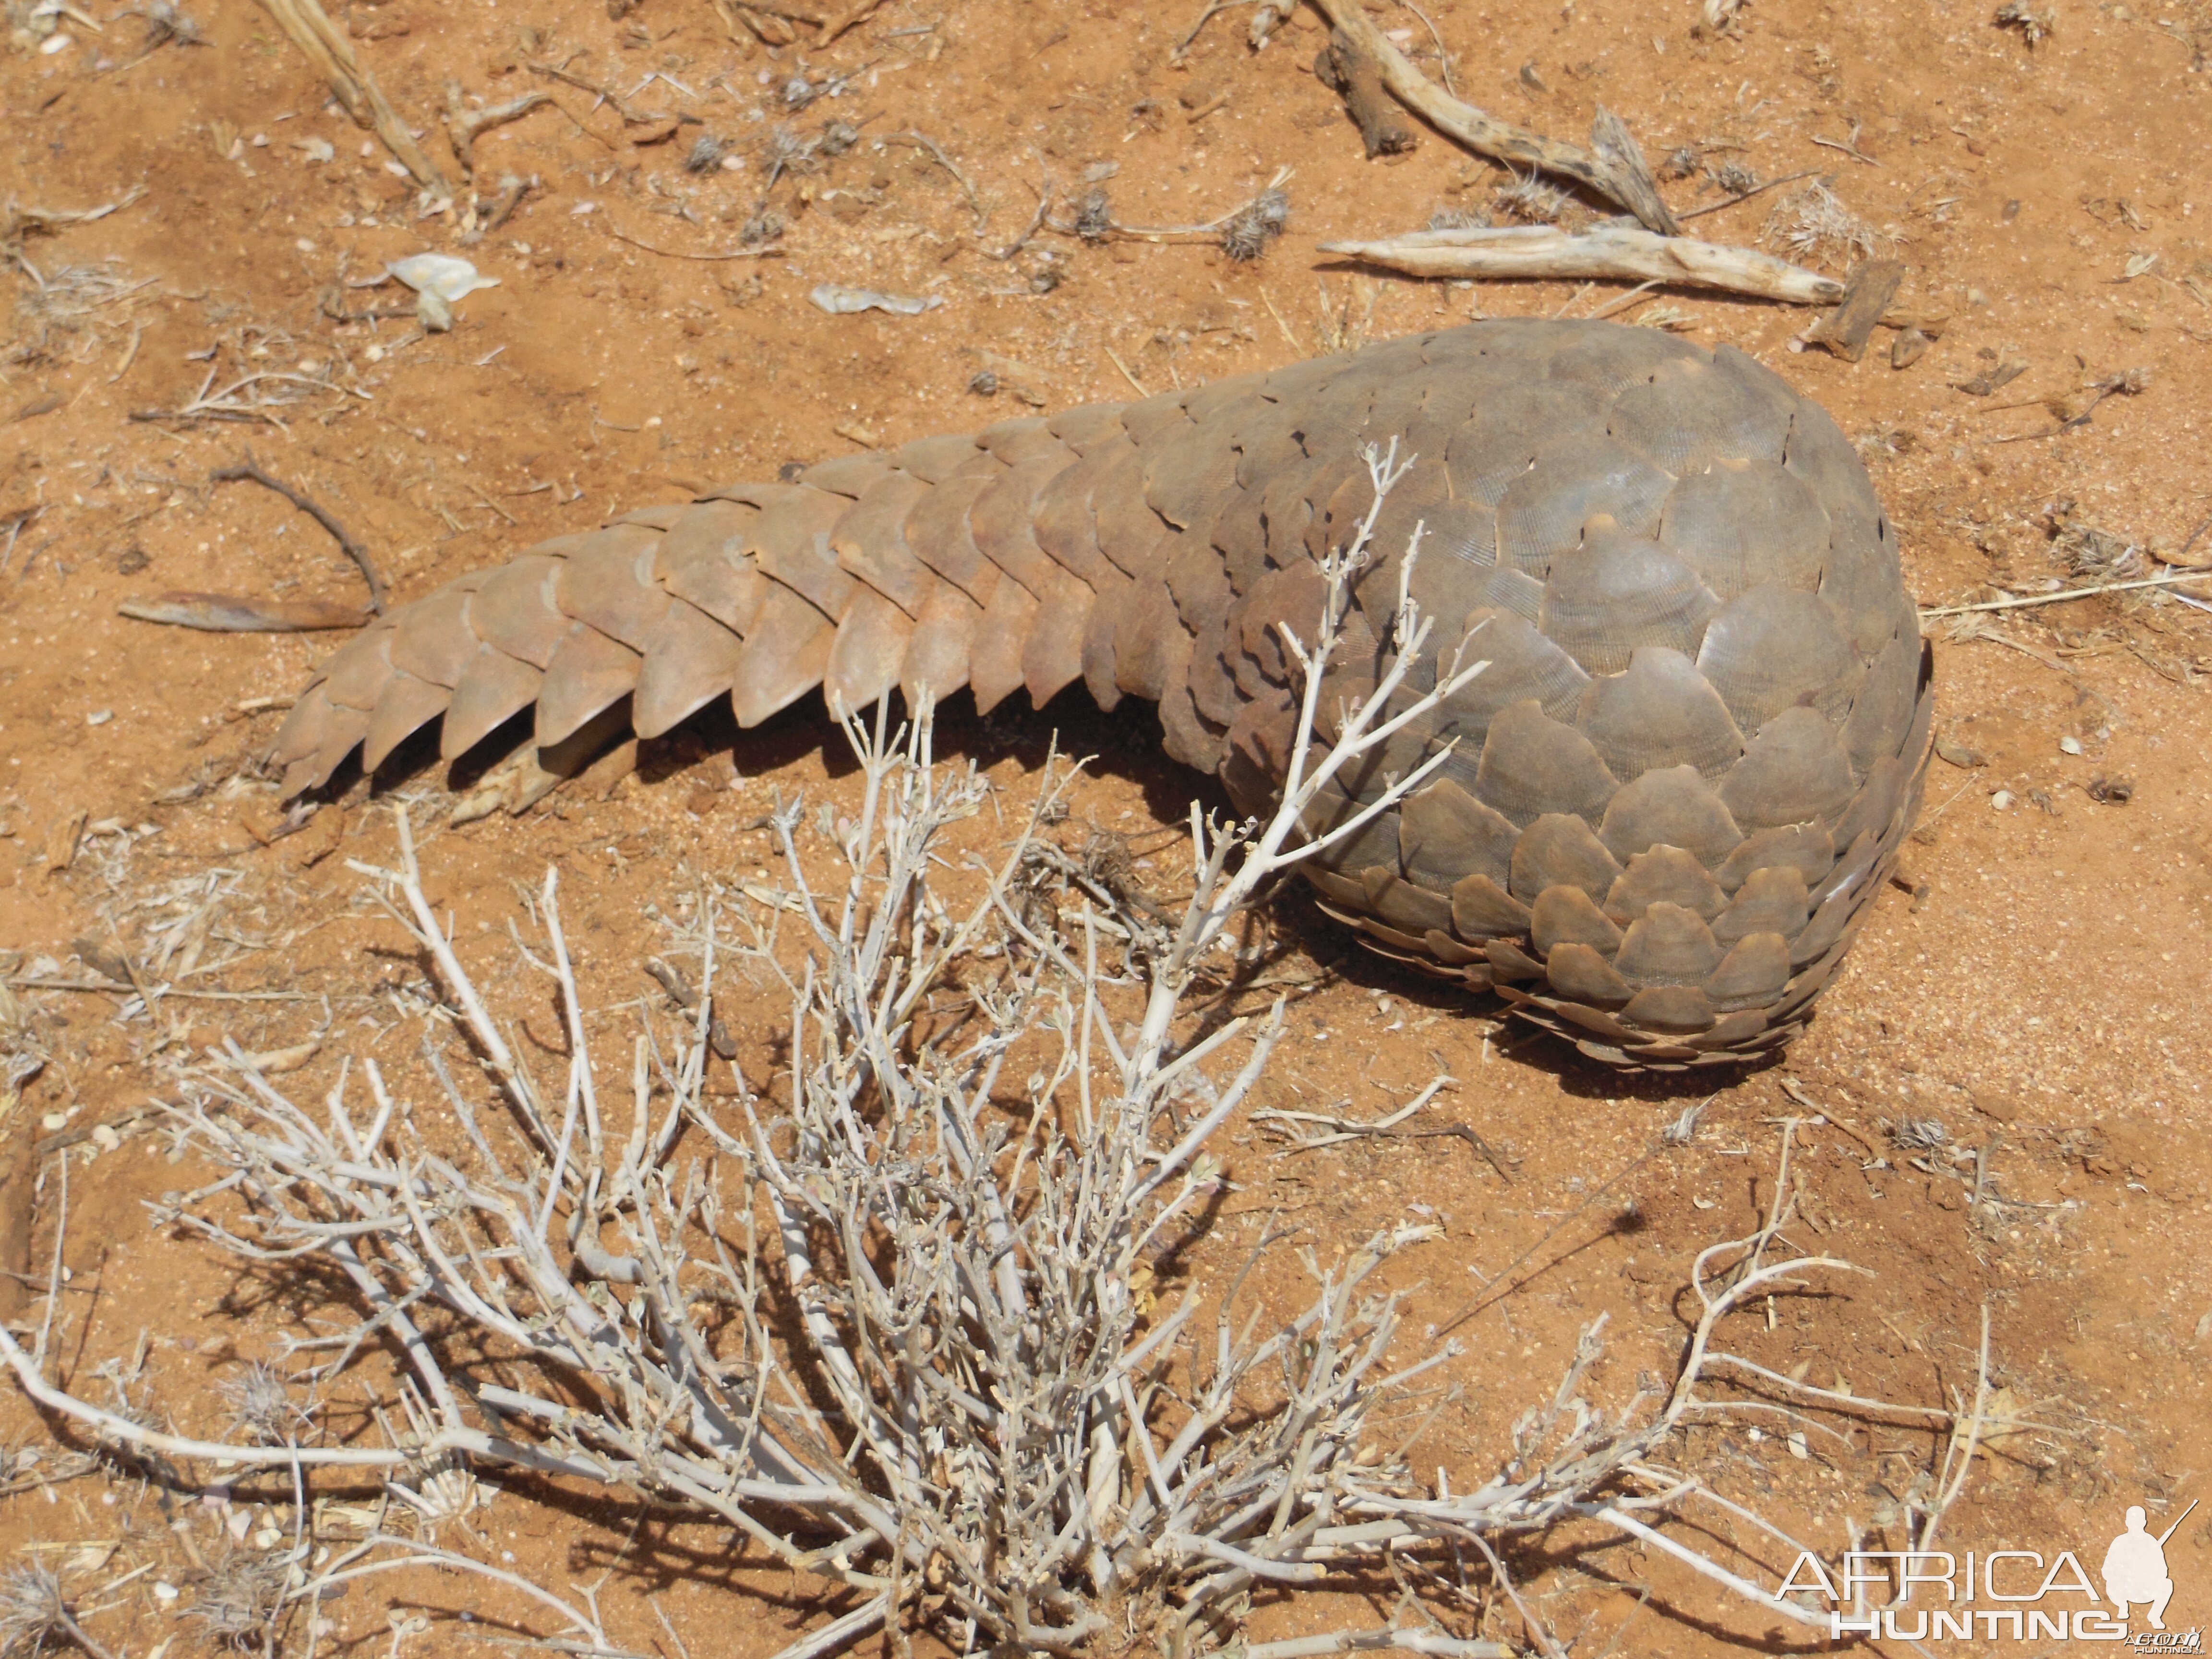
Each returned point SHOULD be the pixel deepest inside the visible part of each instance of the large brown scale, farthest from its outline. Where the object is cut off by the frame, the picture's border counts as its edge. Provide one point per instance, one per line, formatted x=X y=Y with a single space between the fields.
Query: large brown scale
x=1676 y=788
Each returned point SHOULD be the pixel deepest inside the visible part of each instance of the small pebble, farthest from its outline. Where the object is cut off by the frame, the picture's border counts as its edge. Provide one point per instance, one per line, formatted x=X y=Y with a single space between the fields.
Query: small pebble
x=166 y=1591
x=267 y=1539
x=53 y=1121
x=100 y=717
x=2071 y=746
x=2001 y=799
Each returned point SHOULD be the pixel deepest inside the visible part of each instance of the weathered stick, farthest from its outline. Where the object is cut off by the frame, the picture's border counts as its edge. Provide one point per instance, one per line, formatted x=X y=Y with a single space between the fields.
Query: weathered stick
x=1615 y=171
x=1357 y=78
x=1846 y=330
x=1536 y=250
x=329 y=51
x=350 y=545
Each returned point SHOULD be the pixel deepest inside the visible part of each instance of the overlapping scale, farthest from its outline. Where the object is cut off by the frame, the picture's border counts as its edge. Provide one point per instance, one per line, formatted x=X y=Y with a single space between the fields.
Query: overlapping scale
x=1618 y=591
x=1703 y=676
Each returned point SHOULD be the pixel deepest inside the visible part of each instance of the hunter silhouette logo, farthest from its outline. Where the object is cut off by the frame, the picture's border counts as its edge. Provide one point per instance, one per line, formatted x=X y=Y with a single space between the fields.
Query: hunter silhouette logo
x=2134 y=1567
x=2022 y=1596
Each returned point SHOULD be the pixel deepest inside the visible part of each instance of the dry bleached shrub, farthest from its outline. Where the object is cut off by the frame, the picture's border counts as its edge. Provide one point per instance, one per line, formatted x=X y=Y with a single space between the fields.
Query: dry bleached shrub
x=880 y=1318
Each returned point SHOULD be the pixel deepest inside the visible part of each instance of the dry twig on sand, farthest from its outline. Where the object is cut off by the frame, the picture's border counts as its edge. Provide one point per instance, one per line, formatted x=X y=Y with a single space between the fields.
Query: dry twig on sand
x=1243 y=233
x=1613 y=166
x=254 y=396
x=1357 y=78
x=464 y=124
x=350 y=545
x=1603 y=250
x=17 y=220
x=330 y=49
x=2025 y=601
x=883 y=1319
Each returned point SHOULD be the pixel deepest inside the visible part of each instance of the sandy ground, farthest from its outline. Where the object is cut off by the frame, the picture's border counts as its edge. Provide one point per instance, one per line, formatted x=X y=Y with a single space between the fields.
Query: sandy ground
x=2036 y=992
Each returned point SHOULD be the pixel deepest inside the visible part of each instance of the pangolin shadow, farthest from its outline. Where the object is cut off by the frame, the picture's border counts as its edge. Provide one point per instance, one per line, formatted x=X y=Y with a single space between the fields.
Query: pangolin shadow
x=1117 y=746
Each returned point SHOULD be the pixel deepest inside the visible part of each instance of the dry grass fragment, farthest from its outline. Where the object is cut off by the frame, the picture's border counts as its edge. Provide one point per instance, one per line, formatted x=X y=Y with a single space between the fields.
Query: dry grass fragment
x=1815 y=224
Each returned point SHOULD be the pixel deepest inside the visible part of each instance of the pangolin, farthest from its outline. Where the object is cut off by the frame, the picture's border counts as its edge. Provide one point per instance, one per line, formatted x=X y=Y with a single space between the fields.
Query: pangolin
x=1686 y=770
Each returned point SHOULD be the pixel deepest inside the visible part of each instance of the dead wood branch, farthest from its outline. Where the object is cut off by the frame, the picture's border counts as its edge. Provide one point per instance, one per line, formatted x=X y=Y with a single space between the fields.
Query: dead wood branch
x=1604 y=251
x=1613 y=170
x=1357 y=78
x=1867 y=296
x=330 y=51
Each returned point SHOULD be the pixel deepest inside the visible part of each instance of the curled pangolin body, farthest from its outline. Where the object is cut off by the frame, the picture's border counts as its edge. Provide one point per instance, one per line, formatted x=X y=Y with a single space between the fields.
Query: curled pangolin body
x=1701 y=737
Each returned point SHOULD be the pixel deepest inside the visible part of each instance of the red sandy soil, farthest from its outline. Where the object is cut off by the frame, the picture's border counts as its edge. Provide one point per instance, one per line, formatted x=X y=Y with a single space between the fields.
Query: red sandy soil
x=2038 y=992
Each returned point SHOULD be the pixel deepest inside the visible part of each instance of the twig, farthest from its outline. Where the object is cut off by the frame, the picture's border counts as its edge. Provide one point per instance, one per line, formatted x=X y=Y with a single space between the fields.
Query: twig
x=1355 y=77
x=348 y=543
x=1135 y=385
x=761 y=253
x=227 y=405
x=1746 y=195
x=1958 y=1462
x=1036 y=220
x=1632 y=297
x=1611 y=176
x=110 y=987
x=1443 y=58
x=330 y=51
x=15 y=220
x=2022 y=601
x=1386 y=1128
x=1181 y=48
x=1846 y=330
x=1207 y=228
x=1605 y=250
x=1851 y=149
x=923 y=141
x=604 y=94
x=464 y=126
x=1369 y=1641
